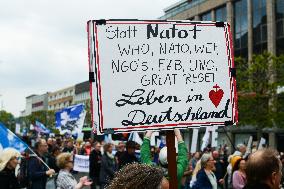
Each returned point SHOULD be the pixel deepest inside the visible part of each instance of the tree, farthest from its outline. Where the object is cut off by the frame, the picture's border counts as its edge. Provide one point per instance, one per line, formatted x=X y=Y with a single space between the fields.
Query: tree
x=255 y=90
x=7 y=119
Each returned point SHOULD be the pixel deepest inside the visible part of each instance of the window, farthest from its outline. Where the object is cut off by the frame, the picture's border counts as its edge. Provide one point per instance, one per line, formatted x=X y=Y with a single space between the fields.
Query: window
x=206 y=17
x=221 y=14
x=259 y=26
x=241 y=28
x=280 y=26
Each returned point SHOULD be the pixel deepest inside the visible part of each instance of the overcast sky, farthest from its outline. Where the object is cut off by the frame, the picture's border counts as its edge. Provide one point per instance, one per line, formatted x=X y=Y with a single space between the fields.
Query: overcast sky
x=43 y=43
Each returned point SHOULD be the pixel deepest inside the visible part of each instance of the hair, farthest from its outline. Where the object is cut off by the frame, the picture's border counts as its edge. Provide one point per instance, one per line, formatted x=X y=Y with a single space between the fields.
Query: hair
x=107 y=146
x=237 y=165
x=136 y=176
x=62 y=159
x=130 y=144
x=240 y=146
x=38 y=143
x=55 y=149
x=261 y=165
x=204 y=159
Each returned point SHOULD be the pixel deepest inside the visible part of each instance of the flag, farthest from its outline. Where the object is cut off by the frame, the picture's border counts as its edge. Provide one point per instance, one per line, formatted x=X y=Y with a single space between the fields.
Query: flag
x=9 y=139
x=40 y=128
x=70 y=119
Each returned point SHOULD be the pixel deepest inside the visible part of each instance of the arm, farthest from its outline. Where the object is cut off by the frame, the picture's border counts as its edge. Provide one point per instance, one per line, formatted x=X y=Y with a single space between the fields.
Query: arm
x=145 y=149
x=92 y=164
x=182 y=161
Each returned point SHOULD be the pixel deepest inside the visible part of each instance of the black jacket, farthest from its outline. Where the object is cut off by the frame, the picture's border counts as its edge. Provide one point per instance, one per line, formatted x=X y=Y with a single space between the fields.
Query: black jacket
x=107 y=169
x=126 y=158
x=8 y=179
x=95 y=164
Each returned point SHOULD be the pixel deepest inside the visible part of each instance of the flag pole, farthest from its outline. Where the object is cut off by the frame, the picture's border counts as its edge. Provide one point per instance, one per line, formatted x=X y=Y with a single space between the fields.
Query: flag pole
x=38 y=157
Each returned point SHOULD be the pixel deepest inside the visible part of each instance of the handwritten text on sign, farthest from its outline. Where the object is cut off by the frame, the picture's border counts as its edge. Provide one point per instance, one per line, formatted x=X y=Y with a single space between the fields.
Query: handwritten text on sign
x=161 y=74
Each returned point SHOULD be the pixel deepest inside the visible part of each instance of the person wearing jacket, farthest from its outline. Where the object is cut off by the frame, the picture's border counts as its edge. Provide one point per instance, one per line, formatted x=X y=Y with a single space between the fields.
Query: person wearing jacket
x=107 y=166
x=205 y=178
x=8 y=162
x=95 y=165
x=182 y=160
x=38 y=172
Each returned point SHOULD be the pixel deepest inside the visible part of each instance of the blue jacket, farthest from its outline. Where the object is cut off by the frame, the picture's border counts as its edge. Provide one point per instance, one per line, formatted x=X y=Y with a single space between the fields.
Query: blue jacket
x=37 y=173
x=202 y=181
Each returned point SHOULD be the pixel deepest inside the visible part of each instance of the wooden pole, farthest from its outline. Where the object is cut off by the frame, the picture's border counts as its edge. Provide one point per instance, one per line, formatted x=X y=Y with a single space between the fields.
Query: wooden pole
x=172 y=163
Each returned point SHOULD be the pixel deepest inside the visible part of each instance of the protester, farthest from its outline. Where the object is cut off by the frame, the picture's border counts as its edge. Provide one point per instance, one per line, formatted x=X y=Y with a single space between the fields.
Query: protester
x=194 y=160
x=263 y=170
x=87 y=149
x=205 y=178
x=52 y=158
x=95 y=165
x=119 y=153
x=50 y=145
x=107 y=166
x=65 y=179
x=9 y=159
x=129 y=155
x=139 y=176
x=38 y=172
x=182 y=160
x=220 y=168
x=239 y=175
x=69 y=147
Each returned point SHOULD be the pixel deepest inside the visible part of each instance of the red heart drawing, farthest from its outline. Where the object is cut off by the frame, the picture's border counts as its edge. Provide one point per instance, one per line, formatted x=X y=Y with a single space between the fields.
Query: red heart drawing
x=216 y=96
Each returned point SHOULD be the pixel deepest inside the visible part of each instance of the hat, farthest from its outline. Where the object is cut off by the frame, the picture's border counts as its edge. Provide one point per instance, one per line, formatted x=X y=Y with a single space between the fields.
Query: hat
x=6 y=155
x=163 y=156
x=234 y=159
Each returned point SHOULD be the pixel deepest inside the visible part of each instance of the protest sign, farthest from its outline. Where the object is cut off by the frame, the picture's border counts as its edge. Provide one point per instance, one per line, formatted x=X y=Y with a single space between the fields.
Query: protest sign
x=81 y=163
x=161 y=75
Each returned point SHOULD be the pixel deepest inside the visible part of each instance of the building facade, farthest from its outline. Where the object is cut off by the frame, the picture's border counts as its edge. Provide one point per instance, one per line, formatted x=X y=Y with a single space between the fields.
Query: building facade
x=82 y=93
x=35 y=103
x=61 y=98
x=257 y=25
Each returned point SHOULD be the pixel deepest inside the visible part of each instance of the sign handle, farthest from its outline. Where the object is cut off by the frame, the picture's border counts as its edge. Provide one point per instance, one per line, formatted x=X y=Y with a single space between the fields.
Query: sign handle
x=172 y=164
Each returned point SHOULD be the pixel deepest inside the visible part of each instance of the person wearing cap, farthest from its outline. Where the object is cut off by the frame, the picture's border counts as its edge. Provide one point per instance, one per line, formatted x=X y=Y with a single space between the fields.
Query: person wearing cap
x=9 y=159
x=182 y=160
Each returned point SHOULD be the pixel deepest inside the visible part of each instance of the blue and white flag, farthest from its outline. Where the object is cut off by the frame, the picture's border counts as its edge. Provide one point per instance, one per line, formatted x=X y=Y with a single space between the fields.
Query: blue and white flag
x=70 y=119
x=40 y=128
x=9 y=139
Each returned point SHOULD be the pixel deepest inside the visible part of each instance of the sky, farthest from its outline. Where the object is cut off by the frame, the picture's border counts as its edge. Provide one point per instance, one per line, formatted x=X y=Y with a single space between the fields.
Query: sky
x=43 y=43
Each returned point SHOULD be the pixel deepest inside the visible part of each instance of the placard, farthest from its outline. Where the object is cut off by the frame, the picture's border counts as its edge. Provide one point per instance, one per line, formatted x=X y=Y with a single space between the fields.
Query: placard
x=161 y=75
x=81 y=163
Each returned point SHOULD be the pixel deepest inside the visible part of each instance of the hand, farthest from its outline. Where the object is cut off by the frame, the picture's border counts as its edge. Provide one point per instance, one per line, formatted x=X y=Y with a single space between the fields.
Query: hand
x=178 y=135
x=148 y=134
x=221 y=181
x=85 y=181
x=50 y=172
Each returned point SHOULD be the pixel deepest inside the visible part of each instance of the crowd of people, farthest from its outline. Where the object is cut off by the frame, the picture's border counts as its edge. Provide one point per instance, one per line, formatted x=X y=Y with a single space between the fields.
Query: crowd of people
x=129 y=165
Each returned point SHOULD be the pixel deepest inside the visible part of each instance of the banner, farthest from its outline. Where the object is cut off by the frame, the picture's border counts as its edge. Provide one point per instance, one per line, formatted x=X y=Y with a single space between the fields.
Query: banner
x=161 y=75
x=40 y=128
x=70 y=119
x=9 y=139
x=81 y=163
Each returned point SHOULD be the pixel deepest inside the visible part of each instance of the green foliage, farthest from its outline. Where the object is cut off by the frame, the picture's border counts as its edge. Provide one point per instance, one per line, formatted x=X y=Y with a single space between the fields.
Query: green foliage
x=45 y=117
x=256 y=89
x=7 y=119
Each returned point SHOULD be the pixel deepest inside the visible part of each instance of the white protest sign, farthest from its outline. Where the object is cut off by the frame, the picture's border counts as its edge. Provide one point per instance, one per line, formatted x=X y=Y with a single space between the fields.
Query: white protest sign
x=161 y=75
x=81 y=163
x=194 y=140
x=18 y=128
